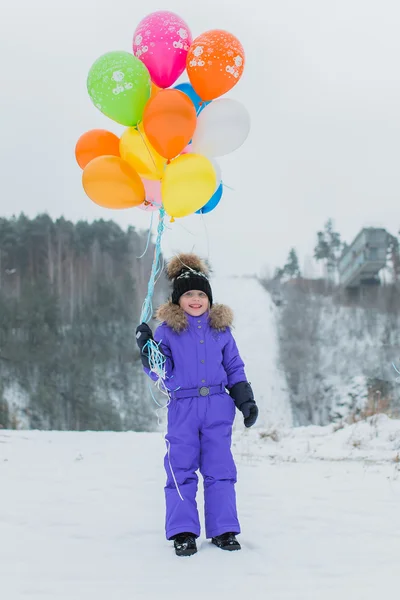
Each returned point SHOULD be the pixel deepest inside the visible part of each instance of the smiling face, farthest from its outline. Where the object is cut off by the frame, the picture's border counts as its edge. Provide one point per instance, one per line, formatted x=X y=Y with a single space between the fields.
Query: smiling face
x=194 y=303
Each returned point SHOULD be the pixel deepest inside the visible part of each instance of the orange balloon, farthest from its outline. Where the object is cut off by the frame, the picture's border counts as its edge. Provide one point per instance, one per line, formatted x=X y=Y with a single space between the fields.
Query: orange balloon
x=110 y=182
x=154 y=90
x=169 y=121
x=215 y=63
x=94 y=143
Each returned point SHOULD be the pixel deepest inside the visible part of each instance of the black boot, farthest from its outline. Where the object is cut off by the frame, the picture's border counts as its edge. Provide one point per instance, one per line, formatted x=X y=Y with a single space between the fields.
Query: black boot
x=226 y=541
x=185 y=544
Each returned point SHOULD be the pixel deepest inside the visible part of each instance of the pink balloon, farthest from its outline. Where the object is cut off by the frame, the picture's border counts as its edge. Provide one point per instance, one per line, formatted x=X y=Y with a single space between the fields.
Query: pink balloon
x=147 y=207
x=187 y=149
x=161 y=41
x=152 y=202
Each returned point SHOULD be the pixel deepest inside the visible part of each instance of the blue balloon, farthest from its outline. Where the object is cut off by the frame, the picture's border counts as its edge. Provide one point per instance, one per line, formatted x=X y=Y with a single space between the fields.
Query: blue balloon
x=213 y=202
x=187 y=89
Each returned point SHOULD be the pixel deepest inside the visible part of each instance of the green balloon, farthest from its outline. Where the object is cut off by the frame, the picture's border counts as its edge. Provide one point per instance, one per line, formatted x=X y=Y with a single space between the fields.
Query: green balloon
x=119 y=85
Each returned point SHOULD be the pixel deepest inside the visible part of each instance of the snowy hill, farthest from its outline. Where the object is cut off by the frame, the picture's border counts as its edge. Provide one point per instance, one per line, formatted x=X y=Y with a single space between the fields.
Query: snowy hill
x=310 y=361
x=82 y=517
x=255 y=331
x=256 y=335
x=337 y=358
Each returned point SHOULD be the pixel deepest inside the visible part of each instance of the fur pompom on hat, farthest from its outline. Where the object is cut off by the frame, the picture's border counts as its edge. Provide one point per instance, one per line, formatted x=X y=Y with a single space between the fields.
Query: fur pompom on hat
x=188 y=272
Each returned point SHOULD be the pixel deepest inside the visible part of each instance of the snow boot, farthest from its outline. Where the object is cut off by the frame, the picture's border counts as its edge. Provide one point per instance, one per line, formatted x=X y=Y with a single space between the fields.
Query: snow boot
x=226 y=541
x=185 y=544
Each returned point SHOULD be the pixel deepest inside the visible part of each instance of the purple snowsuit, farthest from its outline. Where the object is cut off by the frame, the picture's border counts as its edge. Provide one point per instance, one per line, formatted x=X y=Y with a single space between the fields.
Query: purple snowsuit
x=202 y=360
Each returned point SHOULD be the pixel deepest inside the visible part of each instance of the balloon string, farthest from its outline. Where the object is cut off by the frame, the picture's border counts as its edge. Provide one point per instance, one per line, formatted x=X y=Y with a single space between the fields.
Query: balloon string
x=160 y=271
x=185 y=228
x=395 y=368
x=148 y=237
x=149 y=151
x=147 y=308
x=207 y=236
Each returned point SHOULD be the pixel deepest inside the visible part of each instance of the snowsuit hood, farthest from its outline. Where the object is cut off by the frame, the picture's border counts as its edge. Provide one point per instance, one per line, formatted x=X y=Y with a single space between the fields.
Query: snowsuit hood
x=220 y=317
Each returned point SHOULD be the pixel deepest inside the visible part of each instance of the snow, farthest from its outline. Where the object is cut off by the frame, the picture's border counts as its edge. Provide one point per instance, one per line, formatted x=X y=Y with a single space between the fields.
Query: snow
x=82 y=516
x=376 y=439
x=256 y=335
x=18 y=402
x=338 y=358
x=358 y=343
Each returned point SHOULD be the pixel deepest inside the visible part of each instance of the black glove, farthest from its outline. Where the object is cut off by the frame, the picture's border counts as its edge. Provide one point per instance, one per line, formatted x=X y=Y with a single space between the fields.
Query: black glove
x=143 y=335
x=250 y=413
x=243 y=397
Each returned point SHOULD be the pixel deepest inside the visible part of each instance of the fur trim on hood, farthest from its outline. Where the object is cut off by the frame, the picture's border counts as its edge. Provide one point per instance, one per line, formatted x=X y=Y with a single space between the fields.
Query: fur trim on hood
x=220 y=317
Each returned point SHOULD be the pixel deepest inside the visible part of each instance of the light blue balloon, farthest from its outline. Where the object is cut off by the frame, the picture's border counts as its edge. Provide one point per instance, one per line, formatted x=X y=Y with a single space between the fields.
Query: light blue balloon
x=213 y=202
x=187 y=89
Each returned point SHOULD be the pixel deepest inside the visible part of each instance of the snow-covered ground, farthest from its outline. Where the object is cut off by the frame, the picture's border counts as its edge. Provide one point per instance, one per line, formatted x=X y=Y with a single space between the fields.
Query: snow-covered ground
x=82 y=514
x=256 y=336
x=82 y=517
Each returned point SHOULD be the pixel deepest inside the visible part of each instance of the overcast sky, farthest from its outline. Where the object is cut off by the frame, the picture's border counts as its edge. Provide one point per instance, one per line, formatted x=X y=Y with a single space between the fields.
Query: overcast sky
x=321 y=83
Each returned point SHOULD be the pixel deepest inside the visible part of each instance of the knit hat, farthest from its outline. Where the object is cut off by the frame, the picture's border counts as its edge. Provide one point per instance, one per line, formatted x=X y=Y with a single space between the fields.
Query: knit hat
x=188 y=272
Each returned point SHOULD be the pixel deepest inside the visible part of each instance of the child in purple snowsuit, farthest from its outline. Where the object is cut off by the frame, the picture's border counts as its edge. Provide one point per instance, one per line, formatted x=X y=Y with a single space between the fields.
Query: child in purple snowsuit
x=202 y=363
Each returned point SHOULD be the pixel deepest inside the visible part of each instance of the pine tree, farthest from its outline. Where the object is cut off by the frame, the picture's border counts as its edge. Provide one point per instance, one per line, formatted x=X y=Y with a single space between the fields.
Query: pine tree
x=328 y=248
x=291 y=268
x=278 y=274
x=70 y=297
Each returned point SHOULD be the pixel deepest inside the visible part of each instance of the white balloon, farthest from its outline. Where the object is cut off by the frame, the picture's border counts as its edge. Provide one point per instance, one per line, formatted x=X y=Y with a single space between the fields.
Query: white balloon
x=222 y=127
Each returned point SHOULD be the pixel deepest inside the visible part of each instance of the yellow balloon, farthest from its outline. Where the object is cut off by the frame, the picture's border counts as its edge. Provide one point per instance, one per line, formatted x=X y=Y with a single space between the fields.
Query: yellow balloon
x=189 y=182
x=136 y=150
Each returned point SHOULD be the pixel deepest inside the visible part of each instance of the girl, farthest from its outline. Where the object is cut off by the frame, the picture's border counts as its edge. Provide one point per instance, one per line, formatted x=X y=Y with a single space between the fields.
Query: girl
x=201 y=362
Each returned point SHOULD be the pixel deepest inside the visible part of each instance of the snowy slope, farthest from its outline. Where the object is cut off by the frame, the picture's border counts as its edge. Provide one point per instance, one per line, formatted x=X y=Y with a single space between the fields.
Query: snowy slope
x=255 y=332
x=376 y=439
x=256 y=336
x=82 y=517
x=338 y=357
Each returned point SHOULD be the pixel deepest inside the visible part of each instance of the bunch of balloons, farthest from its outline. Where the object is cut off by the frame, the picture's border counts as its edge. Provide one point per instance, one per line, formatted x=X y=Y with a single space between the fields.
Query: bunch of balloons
x=165 y=158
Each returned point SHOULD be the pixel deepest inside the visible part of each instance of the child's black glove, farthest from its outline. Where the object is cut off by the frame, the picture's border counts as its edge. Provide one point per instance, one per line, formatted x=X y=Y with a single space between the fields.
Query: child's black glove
x=143 y=335
x=250 y=413
x=243 y=397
